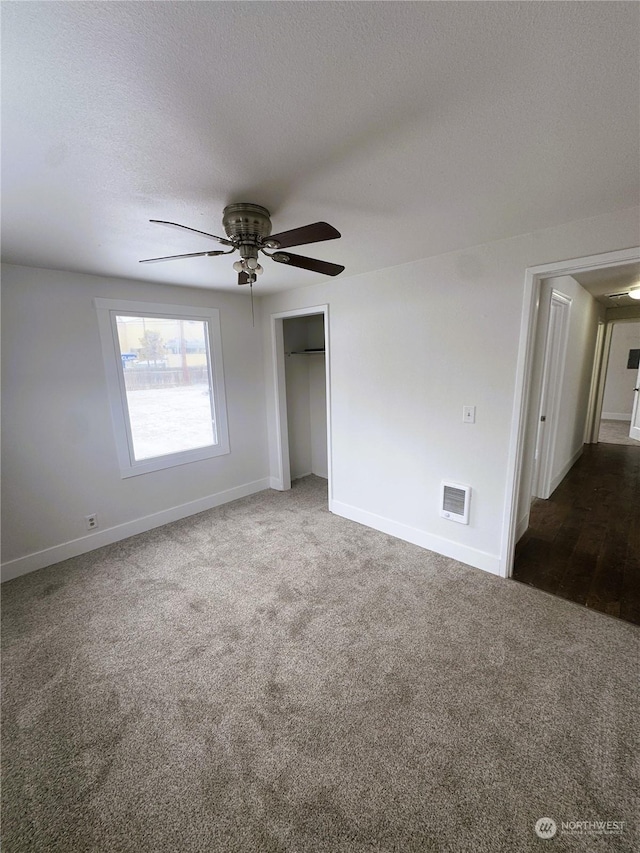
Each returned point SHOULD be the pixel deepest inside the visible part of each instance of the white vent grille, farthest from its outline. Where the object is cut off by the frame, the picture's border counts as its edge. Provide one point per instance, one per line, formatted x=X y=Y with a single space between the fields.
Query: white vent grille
x=454 y=502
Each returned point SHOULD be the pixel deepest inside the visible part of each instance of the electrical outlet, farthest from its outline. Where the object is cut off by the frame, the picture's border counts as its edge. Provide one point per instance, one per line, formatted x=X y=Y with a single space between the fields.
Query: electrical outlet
x=91 y=521
x=469 y=414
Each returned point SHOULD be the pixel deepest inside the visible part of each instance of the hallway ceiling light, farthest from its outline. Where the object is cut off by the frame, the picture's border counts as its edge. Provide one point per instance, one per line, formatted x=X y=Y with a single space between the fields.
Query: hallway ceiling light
x=632 y=293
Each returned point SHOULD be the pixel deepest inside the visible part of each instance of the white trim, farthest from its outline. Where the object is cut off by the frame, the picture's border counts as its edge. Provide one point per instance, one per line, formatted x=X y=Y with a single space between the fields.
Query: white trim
x=49 y=556
x=555 y=357
x=559 y=477
x=616 y=416
x=141 y=308
x=283 y=465
x=471 y=556
x=602 y=379
x=327 y=370
x=592 y=425
x=528 y=322
x=282 y=475
x=107 y=310
x=634 y=423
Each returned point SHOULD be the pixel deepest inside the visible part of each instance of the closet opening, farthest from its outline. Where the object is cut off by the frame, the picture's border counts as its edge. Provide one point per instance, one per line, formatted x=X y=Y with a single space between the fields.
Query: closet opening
x=302 y=389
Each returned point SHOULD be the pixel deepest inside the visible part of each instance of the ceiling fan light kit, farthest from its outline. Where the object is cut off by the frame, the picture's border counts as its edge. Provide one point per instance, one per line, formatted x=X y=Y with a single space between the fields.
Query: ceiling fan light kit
x=248 y=230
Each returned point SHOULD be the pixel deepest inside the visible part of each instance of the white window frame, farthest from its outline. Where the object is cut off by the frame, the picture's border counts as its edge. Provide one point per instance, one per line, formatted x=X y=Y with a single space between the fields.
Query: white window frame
x=108 y=310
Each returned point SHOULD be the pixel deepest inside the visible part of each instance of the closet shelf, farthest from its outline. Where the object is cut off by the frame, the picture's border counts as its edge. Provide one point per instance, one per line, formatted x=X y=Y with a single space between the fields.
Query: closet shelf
x=307 y=352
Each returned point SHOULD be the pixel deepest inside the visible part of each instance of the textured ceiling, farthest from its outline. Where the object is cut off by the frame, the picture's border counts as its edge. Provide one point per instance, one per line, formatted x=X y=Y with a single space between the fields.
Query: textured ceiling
x=413 y=128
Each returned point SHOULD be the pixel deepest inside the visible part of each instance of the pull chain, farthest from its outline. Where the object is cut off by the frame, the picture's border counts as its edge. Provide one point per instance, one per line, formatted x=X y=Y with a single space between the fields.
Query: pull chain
x=253 y=322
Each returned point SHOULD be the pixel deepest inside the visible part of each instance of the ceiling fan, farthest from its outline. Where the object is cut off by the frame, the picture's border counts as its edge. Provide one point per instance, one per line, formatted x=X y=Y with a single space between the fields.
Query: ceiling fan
x=248 y=230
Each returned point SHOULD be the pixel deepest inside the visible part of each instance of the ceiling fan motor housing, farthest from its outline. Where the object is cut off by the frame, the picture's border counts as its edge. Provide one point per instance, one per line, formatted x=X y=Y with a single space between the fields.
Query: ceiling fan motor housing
x=247 y=225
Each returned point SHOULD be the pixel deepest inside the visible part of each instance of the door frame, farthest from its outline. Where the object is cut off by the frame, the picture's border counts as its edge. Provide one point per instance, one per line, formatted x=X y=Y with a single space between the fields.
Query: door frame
x=555 y=354
x=635 y=412
x=600 y=369
x=523 y=385
x=596 y=391
x=282 y=479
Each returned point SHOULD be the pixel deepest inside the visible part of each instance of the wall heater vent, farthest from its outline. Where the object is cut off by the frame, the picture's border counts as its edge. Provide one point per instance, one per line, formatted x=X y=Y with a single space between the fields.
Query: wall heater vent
x=454 y=502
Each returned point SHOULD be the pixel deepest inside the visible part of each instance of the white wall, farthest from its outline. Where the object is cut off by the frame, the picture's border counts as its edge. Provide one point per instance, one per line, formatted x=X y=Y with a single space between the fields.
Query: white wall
x=59 y=457
x=411 y=345
x=620 y=382
x=297 y=388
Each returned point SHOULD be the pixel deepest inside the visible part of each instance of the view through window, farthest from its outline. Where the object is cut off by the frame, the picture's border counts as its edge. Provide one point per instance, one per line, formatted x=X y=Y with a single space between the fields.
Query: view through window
x=166 y=367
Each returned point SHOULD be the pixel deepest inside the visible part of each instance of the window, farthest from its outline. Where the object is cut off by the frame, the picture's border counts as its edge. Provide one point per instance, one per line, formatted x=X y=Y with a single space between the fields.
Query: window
x=166 y=388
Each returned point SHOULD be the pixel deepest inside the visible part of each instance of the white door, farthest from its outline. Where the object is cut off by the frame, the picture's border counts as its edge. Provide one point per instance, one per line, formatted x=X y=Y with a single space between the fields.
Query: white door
x=634 y=432
x=552 y=375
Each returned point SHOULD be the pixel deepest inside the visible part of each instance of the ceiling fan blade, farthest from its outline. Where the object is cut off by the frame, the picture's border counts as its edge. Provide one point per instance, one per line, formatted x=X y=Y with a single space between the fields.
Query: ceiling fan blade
x=324 y=267
x=314 y=233
x=177 y=257
x=195 y=231
x=243 y=278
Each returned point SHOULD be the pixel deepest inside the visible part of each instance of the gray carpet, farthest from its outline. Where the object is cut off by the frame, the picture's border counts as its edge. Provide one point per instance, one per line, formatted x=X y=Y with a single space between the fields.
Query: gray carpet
x=269 y=677
x=616 y=432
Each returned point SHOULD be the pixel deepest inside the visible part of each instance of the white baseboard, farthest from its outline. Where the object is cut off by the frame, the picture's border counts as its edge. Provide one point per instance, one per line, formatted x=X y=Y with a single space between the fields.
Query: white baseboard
x=463 y=553
x=49 y=556
x=559 y=477
x=616 y=416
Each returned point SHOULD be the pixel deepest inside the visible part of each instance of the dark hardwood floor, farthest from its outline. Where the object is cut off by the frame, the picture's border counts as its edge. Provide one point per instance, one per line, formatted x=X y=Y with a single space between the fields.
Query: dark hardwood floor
x=583 y=543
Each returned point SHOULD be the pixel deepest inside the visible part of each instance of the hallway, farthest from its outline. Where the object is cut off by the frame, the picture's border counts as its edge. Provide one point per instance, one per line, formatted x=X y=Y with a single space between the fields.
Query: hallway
x=583 y=543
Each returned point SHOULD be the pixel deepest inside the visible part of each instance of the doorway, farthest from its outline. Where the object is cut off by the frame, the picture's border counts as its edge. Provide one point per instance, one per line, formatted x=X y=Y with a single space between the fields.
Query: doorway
x=581 y=543
x=575 y=539
x=619 y=415
x=300 y=353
